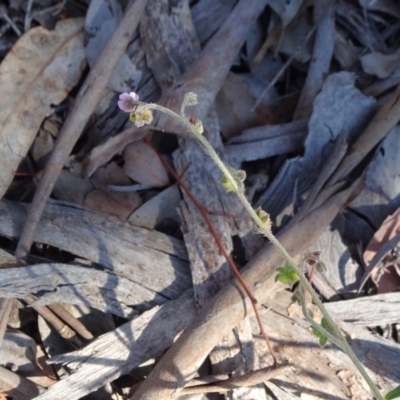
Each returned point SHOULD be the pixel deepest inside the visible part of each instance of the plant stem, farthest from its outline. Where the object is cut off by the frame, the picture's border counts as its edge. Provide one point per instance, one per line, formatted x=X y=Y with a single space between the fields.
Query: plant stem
x=337 y=336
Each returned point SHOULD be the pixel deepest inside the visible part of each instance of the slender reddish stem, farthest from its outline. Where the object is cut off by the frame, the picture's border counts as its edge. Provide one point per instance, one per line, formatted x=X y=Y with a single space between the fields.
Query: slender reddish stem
x=206 y=215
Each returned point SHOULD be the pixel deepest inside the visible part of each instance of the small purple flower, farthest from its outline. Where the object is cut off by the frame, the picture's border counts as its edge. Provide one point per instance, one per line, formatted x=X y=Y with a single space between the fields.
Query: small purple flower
x=127 y=101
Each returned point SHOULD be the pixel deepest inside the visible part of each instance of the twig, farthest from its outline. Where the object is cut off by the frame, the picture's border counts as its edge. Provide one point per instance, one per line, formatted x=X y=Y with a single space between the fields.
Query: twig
x=71 y=320
x=10 y=22
x=55 y=10
x=384 y=120
x=28 y=16
x=324 y=18
x=250 y=379
x=64 y=330
x=284 y=68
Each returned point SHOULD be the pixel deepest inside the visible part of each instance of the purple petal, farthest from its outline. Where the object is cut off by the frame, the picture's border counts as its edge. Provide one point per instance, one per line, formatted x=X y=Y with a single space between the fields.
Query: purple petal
x=121 y=105
x=127 y=101
x=134 y=96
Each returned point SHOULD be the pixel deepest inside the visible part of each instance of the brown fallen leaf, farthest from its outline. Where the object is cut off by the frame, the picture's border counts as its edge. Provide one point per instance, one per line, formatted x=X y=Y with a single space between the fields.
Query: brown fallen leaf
x=112 y=203
x=235 y=112
x=104 y=152
x=143 y=165
x=120 y=204
x=40 y=70
x=389 y=281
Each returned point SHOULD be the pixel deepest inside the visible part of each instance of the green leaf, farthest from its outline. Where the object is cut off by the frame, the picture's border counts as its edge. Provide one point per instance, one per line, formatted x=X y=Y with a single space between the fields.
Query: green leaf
x=322 y=338
x=296 y=299
x=325 y=324
x=393 y=394
x=286 y=275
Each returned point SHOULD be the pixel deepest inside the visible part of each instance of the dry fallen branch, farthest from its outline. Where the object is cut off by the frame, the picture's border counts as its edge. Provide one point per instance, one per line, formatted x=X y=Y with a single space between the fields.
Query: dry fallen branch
x=151 y=259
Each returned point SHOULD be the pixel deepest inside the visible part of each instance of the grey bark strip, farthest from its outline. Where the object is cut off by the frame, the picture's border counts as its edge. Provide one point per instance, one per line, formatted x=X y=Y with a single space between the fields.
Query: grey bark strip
x=151 y=259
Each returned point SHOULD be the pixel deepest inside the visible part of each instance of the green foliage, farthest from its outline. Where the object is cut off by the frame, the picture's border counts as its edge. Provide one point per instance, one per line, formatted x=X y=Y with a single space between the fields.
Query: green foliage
x=393 y=394
x=296 y=298
x=322 y=338
x=286 y=274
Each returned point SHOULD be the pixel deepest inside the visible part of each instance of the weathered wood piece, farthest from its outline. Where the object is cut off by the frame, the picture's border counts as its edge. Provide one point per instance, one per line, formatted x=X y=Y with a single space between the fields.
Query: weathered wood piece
x=71 y=284
x=147 y=336
x=116 y=353
x=338 y=97
x=148 y=258
x=380 y=309
x=326 y=372
x=267 y=141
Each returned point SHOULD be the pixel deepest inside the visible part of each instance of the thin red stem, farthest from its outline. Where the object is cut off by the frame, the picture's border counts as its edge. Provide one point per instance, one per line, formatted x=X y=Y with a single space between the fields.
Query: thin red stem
x=205 y=213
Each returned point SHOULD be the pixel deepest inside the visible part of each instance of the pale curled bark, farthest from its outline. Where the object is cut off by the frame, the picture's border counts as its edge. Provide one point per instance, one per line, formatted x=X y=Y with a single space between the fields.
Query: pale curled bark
x=230 y=306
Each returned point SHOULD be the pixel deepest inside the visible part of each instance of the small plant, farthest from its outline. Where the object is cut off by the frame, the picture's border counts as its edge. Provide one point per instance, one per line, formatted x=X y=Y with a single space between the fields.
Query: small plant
x=232 y=180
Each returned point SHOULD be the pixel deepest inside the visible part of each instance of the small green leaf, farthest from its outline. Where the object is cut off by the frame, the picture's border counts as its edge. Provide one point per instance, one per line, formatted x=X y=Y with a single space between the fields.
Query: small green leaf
x=322 y=338
x=393 y=394
x=326 y=325
x=321 y=267
x=286 y=275
x=296 y=299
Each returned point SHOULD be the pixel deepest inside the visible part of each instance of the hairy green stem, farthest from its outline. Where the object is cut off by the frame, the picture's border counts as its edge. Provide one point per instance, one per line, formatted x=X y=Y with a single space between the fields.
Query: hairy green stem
x=336 y=337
